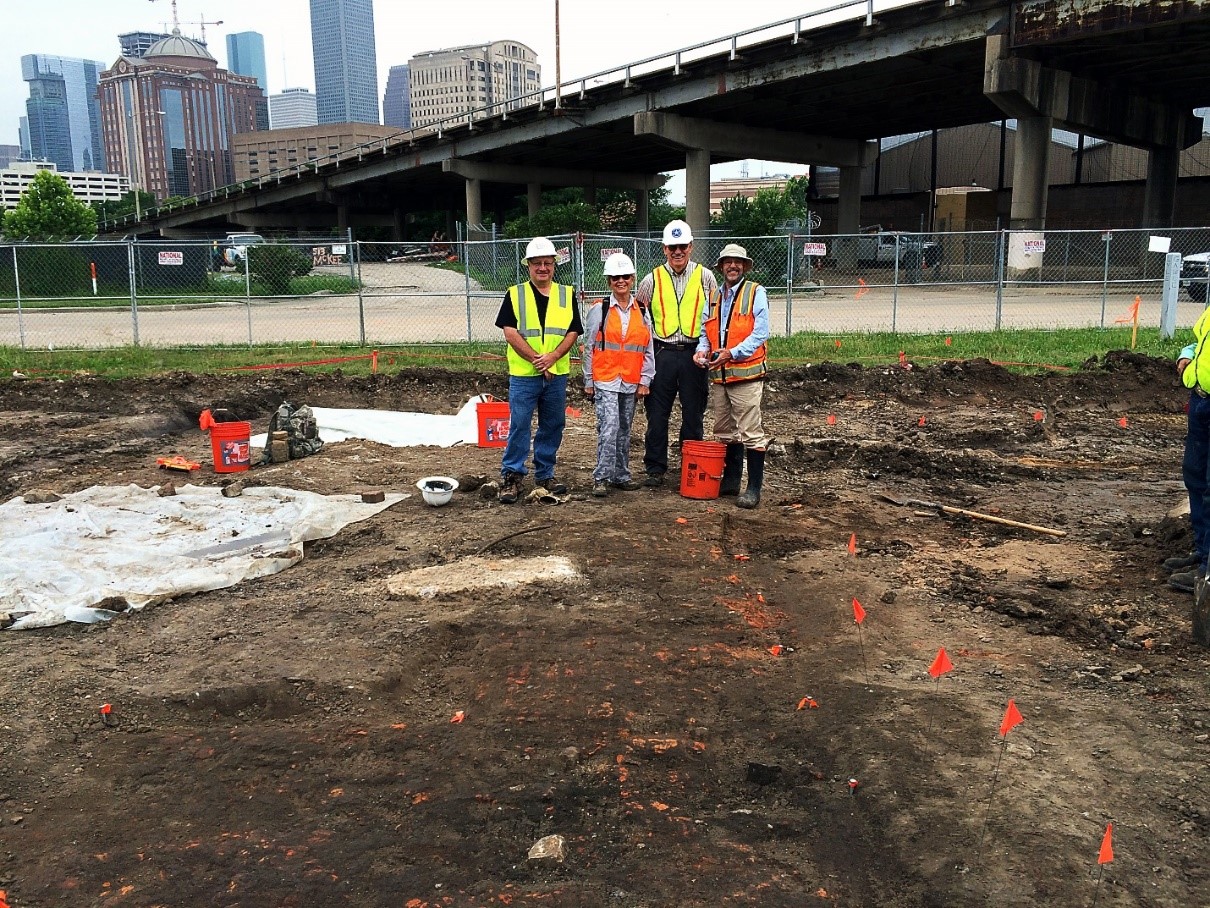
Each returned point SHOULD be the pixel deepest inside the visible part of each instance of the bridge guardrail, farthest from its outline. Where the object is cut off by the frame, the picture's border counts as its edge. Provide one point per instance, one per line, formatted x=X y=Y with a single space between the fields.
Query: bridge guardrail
x=169 y=293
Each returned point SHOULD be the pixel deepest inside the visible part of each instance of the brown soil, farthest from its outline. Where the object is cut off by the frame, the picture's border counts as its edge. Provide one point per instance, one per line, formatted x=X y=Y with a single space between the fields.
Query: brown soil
x=288 y=742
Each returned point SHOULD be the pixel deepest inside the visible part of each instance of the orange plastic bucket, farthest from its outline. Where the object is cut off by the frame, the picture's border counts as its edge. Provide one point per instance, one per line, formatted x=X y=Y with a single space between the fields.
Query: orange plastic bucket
x=493 y=423
x=701 y=468
x=230 y=446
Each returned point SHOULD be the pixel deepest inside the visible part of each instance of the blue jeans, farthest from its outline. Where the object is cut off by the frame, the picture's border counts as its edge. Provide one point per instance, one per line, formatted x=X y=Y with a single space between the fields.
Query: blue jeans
x=1195 y=470
x=548 y=396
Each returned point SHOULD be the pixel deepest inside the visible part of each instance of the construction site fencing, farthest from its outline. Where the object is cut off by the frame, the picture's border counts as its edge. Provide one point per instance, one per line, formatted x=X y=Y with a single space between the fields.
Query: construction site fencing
x=247 y=291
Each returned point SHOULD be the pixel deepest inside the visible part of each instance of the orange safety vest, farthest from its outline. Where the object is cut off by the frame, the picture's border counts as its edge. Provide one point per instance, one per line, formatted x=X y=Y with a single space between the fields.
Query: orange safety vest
x=618 y=355
x=740 y=322
x=670 y=314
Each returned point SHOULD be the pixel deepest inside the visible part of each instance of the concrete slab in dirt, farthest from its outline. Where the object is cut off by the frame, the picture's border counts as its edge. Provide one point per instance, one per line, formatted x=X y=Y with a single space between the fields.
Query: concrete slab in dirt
x=481 y=574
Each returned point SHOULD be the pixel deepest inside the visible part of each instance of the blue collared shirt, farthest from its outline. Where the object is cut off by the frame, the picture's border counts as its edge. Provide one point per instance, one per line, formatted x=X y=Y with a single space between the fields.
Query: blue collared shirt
x=760 y=328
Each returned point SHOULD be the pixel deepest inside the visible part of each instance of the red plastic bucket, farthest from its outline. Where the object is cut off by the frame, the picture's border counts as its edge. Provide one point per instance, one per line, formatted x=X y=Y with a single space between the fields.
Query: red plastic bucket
x=493 y=423
x=701 y=468
x=230 y=446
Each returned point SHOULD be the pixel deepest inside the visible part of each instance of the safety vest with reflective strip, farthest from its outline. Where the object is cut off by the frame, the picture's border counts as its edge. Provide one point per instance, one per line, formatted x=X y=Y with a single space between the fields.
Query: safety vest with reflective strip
x=740 y=322
x=543 y=338
x=618 y=355
x=1197 y=373
x=670 y=314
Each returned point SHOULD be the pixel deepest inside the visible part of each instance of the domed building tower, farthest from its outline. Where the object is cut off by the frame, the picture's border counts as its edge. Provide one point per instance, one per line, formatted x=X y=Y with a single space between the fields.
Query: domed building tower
x=167 y=117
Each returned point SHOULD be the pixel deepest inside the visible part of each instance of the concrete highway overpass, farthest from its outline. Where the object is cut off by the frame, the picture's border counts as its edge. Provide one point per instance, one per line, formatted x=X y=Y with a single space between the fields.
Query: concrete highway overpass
x=822 y=89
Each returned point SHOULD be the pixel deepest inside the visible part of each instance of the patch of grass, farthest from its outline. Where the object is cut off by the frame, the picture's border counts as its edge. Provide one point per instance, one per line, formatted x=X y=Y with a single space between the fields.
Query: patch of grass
x=226 y=286
x=1023 y=351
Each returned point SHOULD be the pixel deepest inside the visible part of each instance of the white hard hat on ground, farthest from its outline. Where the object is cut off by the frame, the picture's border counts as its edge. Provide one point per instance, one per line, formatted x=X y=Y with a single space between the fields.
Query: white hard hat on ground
x=677 y=233
x=538 y=247
x=733 y=251
x=618 y=264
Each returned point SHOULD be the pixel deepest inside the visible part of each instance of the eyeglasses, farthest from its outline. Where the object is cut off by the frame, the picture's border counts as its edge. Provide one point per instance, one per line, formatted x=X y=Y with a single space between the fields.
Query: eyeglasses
x=679 y=247
x=620 y=277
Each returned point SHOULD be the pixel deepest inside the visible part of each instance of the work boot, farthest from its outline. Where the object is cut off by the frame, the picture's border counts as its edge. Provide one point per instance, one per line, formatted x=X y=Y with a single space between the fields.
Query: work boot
x=756 y=476
x=1182 y=562
x=625 y=485
x=552 y=485
x=1185 y=581
x=600 y=489
x=654 y=480
x=510 y=488
x=733 y=470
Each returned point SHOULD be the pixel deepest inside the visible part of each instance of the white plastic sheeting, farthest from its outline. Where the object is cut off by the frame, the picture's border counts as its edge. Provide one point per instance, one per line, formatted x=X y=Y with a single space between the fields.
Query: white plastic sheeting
x=394 y=427
x=125 y=544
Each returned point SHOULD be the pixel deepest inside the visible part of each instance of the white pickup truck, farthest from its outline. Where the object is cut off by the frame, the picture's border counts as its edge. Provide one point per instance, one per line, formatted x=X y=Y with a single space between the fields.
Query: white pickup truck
x=1195 y=275
x=235 y=247
x=878 y=248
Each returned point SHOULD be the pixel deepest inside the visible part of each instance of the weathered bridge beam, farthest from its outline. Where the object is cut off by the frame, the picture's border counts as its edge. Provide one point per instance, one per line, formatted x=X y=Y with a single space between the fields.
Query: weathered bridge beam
x=552 y=176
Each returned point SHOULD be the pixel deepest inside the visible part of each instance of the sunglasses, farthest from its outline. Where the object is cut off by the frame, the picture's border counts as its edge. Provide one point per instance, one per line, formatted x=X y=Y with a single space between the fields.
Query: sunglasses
x=620 y=277
x=679 y=247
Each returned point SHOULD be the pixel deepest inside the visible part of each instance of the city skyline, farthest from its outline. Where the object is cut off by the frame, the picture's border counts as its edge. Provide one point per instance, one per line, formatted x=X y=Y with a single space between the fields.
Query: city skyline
x=343 y=52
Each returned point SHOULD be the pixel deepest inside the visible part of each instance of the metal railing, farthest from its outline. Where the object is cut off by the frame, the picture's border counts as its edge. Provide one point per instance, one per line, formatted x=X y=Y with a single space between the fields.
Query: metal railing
x=329 y=290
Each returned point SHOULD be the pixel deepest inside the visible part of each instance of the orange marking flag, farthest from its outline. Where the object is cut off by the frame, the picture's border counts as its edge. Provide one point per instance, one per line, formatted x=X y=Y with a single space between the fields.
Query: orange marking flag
x=852 y=543
x=459 y=717
x=1132 y=314
x=941 y=664
x=864 y=289
x=3 y=899
x=831 y=419
x=1106 y=854
x=807 y=703
x=859 y=614
x=1123 y=422
x=1012 y=718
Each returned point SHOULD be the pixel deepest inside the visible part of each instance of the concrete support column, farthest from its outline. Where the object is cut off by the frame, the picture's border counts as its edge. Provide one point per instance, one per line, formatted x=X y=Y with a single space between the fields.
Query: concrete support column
x=1159 y=200
x=642 y=209
x=848 y=217
x=697 y=188
x=342 y=218
x=590 y=195
x=399 y=219
x=474 y=201
x=533 y=193
x=1031 y=172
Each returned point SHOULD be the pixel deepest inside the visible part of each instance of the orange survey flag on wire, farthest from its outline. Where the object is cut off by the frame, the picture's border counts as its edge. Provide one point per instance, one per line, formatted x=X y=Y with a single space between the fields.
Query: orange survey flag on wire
x=858 y=612
x=1106 y=854
x=1132 y=314
x=1012 y=718
x=941 y=664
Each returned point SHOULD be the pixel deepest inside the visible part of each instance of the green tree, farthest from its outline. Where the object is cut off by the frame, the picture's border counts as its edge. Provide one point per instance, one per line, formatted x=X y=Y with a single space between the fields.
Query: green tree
x=766 y=212
x=48 y=211
x=111 y=211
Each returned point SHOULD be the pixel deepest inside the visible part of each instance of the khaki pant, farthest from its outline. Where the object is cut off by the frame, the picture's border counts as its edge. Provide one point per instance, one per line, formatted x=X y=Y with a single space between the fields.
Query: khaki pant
x=736 y=409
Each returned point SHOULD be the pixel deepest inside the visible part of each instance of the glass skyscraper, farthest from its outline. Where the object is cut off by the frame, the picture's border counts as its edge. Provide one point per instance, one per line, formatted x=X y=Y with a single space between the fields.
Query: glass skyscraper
x=346 y=65
x=246 y=56
x=62 y=111
x=396 y=100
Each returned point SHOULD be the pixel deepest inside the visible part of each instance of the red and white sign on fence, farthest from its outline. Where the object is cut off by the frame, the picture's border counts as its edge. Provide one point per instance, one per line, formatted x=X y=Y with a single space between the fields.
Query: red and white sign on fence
x=171 y=258
x=606 y=253
x=819 y=249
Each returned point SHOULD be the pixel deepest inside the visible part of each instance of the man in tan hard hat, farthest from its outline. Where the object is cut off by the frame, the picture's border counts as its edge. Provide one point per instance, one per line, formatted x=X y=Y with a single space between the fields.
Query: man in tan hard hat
x=541 y=322
x=732 y=348
x=676 y=294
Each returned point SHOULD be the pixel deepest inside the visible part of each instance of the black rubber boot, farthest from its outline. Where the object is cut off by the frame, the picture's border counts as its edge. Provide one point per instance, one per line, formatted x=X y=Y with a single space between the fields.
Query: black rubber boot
x=733 y=470
x=756 y=476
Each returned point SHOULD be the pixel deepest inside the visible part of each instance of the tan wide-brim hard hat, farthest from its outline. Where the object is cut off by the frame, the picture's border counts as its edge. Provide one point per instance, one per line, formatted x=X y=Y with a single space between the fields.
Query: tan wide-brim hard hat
x=733 y=251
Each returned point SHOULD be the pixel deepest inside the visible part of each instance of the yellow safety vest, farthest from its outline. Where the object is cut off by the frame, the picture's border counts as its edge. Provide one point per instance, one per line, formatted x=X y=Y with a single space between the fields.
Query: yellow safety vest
x=543 y=338
x=668 y=314
x=1197 y=373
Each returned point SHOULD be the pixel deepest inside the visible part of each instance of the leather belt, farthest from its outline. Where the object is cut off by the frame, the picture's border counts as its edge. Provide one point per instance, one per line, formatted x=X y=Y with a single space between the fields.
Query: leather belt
x=688 y=346
x=1200 y=393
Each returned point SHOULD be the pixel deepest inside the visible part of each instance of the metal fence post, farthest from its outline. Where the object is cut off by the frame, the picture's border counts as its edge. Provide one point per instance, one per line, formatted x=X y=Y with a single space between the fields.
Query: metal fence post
x=355 y=250
x=466 y=277
x=248 y=289
x=20 y=310
x=134 y=291
x=789 y=282
x=895 y=290
x=1107 y=237
x=1001 y=240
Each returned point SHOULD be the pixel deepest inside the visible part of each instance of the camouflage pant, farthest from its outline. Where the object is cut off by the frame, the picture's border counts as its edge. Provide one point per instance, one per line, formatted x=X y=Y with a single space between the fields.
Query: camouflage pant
x=615 y=414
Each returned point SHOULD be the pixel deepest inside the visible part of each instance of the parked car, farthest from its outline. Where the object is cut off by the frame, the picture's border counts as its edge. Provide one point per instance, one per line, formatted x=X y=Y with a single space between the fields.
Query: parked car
x=234 y=249
x=1195 y=275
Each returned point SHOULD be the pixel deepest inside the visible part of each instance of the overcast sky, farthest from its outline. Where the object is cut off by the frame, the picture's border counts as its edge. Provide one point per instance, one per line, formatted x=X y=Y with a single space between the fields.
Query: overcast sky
x=594 y=36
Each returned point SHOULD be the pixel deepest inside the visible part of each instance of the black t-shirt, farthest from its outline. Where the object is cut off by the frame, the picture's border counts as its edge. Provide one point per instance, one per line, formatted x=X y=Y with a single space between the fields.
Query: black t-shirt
x=508 y=319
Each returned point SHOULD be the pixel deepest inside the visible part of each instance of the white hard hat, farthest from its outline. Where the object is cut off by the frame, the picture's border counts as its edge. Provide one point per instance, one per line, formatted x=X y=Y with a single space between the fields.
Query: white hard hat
x=539 y=246
x=677 y=233
x=618 y=264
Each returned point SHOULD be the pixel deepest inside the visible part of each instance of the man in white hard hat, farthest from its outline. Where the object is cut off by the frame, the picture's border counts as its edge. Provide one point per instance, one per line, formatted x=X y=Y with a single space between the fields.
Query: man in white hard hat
x=732 y=348
x=541 y=322
x=675 y=293
x=619 y=364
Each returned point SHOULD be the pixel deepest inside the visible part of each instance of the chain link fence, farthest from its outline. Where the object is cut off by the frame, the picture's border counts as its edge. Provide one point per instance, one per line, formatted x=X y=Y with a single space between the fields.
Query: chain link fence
x=328 y=290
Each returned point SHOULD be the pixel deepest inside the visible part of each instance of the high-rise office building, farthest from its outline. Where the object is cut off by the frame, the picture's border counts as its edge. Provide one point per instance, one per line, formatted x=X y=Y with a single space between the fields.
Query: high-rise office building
x=246 y=56
x=292 y=108
x=346 y=65
x=396 y=102
x=64 y=118
x=135 y=44
x=23 y=137
x=447 y=84
x=168 y=116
